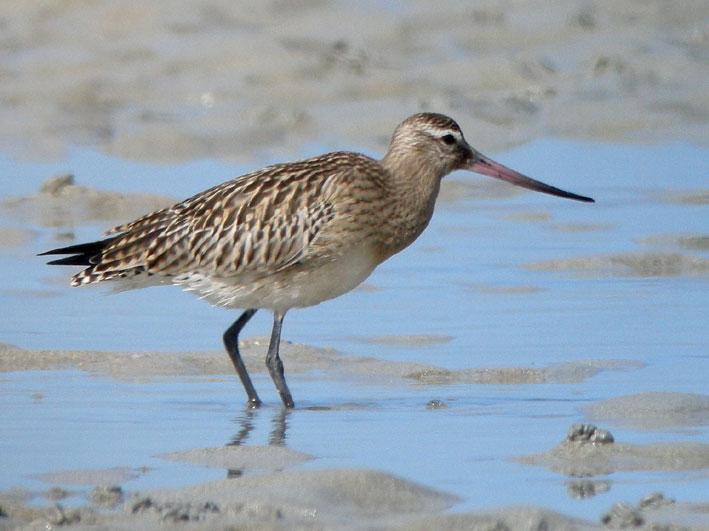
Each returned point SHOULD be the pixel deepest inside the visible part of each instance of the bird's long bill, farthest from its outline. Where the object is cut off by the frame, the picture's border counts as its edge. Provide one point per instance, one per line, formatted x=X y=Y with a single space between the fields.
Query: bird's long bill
x=489 y=167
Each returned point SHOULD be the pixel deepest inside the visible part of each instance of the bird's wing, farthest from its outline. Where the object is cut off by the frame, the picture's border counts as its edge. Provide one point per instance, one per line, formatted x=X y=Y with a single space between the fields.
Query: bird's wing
x=259 y=223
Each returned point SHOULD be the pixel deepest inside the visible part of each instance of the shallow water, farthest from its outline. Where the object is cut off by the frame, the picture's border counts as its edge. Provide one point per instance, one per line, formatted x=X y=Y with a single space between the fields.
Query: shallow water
x=477 y=290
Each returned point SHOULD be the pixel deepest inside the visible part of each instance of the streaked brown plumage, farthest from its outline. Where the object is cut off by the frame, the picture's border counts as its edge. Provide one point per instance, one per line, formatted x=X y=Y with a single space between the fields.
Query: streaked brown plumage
x=292 y=235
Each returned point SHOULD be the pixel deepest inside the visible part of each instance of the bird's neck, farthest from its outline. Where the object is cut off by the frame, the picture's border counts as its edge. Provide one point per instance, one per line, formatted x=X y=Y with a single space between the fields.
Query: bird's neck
x=414 y=187
x=415 y=179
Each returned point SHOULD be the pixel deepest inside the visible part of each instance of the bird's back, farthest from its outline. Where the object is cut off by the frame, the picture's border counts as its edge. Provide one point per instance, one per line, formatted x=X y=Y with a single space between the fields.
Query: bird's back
x=257 y=224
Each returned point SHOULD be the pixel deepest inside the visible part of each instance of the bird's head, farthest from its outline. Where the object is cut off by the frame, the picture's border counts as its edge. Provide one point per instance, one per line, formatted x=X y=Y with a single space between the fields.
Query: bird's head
x=434 y=142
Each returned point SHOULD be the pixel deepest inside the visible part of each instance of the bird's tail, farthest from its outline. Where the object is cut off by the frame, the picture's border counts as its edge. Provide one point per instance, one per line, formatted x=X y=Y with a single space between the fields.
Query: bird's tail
x=83 y=254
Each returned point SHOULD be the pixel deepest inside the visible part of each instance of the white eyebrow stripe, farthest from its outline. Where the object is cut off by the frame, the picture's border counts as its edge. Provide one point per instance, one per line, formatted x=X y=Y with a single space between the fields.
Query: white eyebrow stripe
x=438 y=133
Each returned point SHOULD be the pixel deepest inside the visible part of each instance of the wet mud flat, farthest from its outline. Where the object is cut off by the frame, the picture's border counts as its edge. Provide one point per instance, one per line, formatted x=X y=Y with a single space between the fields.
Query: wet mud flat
x=272 y=486
x=525 y=365
x=223 y=79
x=452 y=422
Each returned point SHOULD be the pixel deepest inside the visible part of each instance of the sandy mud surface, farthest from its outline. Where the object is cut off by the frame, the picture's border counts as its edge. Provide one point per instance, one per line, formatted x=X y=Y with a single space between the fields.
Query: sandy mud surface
x=224 y=79
x=264 y=489
x=653 y=410
x=301 y=359
x=588 y=451
x=260 y=82
x=60 y=203
x=260 y=492
x=639 y=264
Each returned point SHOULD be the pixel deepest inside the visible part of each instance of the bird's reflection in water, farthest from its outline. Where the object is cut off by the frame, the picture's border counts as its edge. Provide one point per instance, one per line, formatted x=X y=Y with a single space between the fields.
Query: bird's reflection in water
x=246 y=425
x=277 y=436
x=279 y=424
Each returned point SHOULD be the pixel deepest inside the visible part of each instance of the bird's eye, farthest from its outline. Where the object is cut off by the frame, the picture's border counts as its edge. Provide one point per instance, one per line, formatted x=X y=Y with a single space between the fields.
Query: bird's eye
x=448 y=139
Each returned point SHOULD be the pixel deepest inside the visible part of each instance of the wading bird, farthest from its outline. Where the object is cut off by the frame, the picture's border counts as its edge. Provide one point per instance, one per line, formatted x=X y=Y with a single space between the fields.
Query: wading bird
x=291 y=235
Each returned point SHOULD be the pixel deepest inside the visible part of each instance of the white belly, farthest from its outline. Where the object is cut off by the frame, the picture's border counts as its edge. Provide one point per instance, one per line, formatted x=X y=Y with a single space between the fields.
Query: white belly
x=292 y=288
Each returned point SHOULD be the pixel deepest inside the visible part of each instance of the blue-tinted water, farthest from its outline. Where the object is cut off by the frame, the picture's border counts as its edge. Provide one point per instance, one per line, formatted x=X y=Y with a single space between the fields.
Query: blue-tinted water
x=453 y=282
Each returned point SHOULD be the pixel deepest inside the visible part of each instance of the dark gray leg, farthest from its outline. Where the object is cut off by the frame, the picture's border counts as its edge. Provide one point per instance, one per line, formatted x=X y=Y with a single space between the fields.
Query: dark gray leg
x=274 y=363
x=231 y=342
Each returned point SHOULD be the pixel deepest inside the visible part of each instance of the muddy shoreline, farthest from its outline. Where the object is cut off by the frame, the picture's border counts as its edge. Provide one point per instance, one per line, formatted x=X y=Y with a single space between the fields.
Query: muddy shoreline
x=265 y=487
x=269 y=79
x=263 y=82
